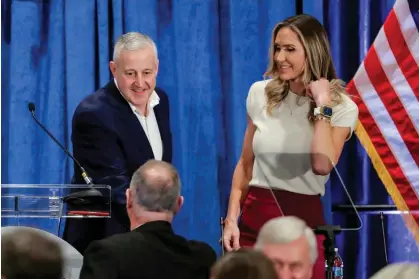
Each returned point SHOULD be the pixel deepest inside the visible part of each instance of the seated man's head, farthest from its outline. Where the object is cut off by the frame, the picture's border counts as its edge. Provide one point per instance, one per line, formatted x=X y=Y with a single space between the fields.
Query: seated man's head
x=291 y=245
x=27 y=253
x=243 y=264
x=154 y=193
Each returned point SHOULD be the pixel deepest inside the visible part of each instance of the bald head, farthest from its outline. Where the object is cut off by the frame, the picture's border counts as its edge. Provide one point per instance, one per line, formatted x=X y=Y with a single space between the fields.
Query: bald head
x=156 y=186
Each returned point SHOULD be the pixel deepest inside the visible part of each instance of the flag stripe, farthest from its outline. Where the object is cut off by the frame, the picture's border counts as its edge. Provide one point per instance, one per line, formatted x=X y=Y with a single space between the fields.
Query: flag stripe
x=396 y=78
x=386 y=126
x=400 y=24
x=387 y=84
x=382 y=147
x=379 y=141
x=401 y=52
x=414 y=10
x=411 y=220
x=396 y=111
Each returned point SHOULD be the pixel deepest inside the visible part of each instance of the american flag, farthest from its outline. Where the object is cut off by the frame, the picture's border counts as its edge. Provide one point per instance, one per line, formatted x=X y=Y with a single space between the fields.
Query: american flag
x=386 y=90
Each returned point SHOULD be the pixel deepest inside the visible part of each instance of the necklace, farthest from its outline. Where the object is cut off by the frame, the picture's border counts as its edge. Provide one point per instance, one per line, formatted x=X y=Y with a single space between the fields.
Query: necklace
x=294 y=101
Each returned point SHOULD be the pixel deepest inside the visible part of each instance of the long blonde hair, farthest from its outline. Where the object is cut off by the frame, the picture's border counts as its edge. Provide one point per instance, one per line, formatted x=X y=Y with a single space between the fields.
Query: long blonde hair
x=318 y=62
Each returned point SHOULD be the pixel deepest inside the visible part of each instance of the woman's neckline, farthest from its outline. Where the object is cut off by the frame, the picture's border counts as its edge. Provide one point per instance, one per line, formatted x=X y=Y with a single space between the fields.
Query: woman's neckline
x=297 y=95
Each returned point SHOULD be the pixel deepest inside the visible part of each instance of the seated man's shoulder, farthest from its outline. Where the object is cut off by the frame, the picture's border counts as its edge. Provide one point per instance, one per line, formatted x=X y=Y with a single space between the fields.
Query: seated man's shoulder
x=204 y=249
x=114 y=243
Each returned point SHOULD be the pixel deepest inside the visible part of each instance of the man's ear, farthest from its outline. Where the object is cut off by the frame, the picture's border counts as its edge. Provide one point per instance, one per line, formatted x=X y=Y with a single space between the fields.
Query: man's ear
x=129 y=197
x=157 y=66
x=311 y=271
x=112 y=67
x=179 y=204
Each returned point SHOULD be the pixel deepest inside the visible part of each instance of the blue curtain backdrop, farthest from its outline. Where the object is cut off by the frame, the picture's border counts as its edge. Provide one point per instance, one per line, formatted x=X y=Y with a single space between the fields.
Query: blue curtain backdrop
x=56 y=52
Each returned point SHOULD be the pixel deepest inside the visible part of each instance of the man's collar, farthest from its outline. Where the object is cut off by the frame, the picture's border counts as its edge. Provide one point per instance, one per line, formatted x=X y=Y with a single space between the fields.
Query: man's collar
x=153 y=101
x=153 y=225
x=138 y=226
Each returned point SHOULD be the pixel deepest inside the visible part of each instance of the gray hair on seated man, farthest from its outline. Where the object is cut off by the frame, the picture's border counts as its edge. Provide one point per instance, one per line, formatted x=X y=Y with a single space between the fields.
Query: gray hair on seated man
x=154 y=193
x=290 y=244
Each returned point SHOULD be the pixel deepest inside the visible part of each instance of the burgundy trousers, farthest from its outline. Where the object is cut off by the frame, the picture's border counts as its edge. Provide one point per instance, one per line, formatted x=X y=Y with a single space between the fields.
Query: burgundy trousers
x=260 y=206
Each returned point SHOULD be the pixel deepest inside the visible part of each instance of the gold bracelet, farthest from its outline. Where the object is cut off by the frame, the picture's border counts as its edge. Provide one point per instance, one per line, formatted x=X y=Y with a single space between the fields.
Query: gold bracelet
x=320 y=117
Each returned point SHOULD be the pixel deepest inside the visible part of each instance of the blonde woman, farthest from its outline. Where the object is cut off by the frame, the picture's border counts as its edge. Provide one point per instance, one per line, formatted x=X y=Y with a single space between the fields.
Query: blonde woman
x=298 y=122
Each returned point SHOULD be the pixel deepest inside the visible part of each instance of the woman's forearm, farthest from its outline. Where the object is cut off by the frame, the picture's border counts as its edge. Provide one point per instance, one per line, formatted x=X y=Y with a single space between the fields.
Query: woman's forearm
x=238 y=192
x=234 y=204
x=322 y=148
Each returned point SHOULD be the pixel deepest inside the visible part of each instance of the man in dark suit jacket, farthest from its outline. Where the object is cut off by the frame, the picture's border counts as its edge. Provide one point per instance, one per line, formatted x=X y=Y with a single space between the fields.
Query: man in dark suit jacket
x=116 y=130
x=151 y=250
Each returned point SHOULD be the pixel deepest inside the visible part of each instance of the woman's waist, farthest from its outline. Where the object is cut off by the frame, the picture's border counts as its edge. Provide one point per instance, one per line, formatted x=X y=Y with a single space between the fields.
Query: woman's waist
x=271 y=194
x=262 y=202
x=298 y=179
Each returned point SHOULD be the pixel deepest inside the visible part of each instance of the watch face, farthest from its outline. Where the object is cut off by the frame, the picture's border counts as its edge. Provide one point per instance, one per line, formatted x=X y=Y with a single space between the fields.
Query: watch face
x=327 y=111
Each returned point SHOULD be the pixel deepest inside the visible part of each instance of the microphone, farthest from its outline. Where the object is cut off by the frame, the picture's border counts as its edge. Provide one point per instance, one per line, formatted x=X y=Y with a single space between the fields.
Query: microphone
x=84 y=197
x=86 y=178
x=384 y=236
x=329 y=231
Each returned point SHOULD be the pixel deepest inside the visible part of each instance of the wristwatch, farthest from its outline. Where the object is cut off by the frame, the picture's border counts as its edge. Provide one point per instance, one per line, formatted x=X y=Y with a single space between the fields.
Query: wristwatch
x=324 y=111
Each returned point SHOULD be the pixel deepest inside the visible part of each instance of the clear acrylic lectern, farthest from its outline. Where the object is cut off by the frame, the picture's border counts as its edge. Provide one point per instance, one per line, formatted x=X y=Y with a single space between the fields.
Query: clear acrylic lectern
x=43 y=206
x=40 y=208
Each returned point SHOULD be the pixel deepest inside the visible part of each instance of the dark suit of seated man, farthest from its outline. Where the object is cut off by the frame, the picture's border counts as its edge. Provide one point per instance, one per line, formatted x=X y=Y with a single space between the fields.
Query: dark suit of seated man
x=151 y=250
x=116 y=130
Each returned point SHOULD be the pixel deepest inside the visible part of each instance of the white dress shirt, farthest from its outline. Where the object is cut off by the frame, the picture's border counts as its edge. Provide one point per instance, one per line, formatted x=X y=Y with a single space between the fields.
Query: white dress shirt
x=149 y=123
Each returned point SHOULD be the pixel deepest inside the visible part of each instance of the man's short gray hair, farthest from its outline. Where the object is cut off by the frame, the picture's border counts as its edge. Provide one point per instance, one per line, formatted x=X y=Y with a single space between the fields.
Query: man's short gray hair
x=156 y=186
x=286 y=229
x=133 y=41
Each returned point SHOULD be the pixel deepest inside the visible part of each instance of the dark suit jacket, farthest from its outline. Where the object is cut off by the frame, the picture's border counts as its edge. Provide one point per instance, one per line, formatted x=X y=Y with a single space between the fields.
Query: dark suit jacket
x=151 y=251
x=109 y=141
